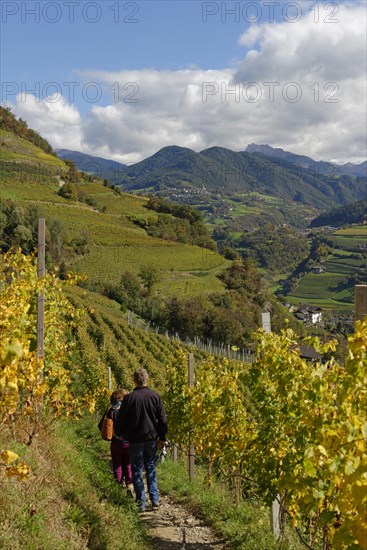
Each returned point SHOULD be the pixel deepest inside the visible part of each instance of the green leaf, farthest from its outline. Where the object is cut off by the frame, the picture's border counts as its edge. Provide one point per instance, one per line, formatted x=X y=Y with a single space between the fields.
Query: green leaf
x=309 y=467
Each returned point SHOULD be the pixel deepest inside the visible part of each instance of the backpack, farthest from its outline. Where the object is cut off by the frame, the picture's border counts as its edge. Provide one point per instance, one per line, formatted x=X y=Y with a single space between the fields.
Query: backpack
x=107 y=427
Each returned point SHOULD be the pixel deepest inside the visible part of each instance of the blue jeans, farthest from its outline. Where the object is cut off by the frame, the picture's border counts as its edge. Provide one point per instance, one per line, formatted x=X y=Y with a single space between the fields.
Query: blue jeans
x=144 y=453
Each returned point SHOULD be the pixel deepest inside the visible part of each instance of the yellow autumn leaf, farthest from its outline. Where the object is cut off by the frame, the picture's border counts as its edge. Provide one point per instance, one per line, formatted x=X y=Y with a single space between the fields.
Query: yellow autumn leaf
x=8 y=457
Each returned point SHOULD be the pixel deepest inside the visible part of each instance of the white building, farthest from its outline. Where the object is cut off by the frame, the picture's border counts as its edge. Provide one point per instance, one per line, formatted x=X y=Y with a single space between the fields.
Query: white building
x=311 y=314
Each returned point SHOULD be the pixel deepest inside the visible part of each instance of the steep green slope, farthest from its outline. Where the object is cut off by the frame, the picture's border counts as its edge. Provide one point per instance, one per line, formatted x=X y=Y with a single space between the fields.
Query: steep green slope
x=355 y=212
x=115 y=244
x=19 y=128
x=105 y=339
x=98 y=228
x=336 y=189
x=15 y=151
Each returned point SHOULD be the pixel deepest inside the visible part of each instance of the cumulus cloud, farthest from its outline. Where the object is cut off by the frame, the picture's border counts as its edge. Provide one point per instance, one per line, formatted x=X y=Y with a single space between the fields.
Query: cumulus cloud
x=329 y=51
x=300 y=86
x=53 y=117
x=328 y=62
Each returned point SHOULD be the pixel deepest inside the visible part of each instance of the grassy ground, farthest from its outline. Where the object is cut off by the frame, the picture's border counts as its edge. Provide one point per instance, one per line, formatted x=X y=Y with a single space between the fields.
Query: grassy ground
x=246 y=526
x=71 y=501
x=118 y=204
x=350 y=238
x=20 y=187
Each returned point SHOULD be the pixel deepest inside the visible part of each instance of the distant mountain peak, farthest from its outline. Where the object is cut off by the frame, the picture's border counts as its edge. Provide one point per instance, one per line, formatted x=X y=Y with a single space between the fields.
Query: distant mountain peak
x=322 y=167
x=174 y=149
x=264 y=148
x=99 y=166
x=216 y=149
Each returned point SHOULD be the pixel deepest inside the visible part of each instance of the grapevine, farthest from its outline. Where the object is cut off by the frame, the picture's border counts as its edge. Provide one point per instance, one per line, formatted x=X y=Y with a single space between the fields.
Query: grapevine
x=34 y=391
x=298 y=431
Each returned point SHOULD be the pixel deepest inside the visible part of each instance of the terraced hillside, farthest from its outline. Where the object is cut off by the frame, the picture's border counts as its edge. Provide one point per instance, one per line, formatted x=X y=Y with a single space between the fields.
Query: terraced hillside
x=245 y=211
x=104 y=220
x=350 y=238
x=16 y=149
x=105 y=339
x=333 y=288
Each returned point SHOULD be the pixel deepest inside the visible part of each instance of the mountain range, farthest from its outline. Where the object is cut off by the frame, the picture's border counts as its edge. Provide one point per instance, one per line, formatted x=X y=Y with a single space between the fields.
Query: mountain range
x=220 y=170
x=98 y=166
x=319 y=167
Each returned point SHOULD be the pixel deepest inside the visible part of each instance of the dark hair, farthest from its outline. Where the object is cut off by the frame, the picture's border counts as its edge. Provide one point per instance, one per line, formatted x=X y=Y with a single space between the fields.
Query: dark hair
x=141 y=377
x=118 y=395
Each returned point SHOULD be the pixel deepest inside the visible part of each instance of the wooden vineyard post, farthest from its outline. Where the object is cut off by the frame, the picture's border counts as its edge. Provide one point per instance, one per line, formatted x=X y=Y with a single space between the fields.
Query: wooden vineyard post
x=191 y=366
x=275 y=518
x=360 y=300
x=275 y=507
x=109 y=378
x=265 y=322
x=175 y=452
x=41 y=272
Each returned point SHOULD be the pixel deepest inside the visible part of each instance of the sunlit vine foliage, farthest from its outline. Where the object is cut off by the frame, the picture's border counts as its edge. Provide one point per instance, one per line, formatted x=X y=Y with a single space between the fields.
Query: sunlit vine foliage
x=35 y=391
x=296 y=429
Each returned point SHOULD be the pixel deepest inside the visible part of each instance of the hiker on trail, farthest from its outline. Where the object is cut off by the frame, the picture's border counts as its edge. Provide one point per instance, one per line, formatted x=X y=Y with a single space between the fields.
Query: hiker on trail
x=120 y=453
x=143 y=420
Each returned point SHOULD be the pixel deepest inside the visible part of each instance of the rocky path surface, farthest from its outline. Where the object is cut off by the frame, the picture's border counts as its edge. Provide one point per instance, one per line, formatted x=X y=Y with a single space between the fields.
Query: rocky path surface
x=173 y=527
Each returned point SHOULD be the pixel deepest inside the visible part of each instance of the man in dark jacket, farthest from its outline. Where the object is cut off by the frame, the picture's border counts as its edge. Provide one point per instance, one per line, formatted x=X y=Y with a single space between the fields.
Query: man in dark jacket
x=143 y=421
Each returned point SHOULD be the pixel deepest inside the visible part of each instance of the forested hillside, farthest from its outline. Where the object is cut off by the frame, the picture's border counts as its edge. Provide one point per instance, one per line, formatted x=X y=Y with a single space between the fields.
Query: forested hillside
x=275 y=248
x=355 y=212
x=218 y=169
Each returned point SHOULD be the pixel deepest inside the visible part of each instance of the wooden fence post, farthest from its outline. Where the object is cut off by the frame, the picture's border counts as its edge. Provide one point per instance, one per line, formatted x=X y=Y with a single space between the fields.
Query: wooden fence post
x=41 y=272
x=275 y=518
x=265 y=322
x=191 y=368
x=109 y=378
x=175 y=453
x=275 y=507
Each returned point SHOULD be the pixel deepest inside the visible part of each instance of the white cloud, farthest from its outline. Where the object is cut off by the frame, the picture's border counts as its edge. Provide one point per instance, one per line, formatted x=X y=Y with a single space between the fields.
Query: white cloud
x=322 y=65
x=52 y=117
x=328 y=51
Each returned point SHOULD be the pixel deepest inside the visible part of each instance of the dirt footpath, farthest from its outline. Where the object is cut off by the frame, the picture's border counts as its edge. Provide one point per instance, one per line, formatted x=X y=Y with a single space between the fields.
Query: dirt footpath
x=173 y=527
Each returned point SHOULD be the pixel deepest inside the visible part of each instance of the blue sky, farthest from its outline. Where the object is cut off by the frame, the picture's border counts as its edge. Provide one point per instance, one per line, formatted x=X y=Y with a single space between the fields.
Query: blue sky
x=170 y=50
x=166 y=35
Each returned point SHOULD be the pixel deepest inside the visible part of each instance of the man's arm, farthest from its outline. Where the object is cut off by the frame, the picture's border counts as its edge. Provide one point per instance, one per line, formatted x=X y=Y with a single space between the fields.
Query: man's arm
x=162 y=427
